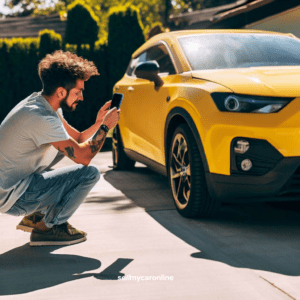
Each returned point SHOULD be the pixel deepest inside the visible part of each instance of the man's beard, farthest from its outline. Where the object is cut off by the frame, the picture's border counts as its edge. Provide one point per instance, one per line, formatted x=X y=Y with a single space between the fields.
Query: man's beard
x=65 y=106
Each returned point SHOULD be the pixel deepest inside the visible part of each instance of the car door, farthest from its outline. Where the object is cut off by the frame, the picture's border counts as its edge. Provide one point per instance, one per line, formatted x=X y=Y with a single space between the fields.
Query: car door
x=146 y=107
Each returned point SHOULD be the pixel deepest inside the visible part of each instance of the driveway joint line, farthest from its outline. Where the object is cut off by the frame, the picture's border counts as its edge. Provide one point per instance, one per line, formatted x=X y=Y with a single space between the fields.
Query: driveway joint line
x=278 y=288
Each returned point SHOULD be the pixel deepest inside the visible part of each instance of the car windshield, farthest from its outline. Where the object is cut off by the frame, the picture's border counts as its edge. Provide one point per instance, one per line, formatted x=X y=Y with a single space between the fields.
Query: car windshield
x=228 y=51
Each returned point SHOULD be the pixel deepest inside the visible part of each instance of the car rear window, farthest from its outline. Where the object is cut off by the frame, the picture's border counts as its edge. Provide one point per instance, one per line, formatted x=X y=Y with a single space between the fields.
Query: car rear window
x=228 y=51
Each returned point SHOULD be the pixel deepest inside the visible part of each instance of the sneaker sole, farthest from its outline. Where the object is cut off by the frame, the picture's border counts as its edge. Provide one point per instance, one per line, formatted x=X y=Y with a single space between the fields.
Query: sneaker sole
x=29 y=229
x=56 y=243
x=25 y=228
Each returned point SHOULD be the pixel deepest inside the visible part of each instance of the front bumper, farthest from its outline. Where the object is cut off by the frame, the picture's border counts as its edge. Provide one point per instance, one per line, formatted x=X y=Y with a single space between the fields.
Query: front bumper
x=281 y=183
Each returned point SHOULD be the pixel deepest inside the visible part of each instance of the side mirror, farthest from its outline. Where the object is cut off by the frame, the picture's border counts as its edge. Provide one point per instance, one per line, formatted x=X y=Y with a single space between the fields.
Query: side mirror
x=149 y=70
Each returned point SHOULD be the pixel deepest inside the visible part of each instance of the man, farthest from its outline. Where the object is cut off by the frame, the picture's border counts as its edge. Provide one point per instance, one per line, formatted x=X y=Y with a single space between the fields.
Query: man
x=33 y=135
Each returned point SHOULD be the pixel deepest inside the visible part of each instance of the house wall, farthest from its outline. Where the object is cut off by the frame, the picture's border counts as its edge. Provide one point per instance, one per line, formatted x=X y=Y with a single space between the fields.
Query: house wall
x=285 y=22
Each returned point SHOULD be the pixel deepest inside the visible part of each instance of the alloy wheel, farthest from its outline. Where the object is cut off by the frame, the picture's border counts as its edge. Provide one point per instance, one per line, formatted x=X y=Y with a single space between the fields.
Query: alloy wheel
x=180 y=171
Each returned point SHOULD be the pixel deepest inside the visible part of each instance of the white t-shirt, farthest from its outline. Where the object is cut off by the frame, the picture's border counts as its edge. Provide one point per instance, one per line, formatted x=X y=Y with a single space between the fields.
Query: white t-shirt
x=25 y=137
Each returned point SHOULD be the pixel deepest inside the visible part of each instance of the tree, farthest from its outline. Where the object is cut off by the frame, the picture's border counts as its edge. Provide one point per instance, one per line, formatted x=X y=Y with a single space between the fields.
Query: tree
x=49 y=42
x=182 y=6
x=28 y=7
x=151 y=11
x=82 y=25
x=125 y=35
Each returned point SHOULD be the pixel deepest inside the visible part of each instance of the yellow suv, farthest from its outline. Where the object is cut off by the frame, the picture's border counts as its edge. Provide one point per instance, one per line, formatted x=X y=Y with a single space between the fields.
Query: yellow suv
x=217 y=111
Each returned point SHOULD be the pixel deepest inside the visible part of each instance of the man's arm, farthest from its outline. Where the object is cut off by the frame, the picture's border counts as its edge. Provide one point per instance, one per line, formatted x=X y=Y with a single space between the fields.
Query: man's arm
x=78 y=136
x=82 y=153
x=81 y=137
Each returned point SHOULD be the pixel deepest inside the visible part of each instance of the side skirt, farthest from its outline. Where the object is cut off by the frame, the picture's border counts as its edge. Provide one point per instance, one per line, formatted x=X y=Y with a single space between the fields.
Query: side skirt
x=153 y=165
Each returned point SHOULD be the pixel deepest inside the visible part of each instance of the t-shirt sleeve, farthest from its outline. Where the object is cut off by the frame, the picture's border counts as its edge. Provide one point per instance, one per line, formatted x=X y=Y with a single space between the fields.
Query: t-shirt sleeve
x=60 y=111
x=46 y=129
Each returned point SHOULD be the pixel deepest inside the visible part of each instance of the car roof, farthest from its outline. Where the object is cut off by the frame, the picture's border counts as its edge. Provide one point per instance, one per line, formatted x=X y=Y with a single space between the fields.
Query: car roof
x=174 y=35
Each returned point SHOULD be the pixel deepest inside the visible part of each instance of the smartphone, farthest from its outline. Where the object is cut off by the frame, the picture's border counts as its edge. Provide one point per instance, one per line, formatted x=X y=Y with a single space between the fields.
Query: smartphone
x=116 y=100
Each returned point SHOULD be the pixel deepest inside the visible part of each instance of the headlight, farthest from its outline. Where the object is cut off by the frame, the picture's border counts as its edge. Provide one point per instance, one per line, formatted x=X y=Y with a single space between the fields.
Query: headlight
x=249 y=104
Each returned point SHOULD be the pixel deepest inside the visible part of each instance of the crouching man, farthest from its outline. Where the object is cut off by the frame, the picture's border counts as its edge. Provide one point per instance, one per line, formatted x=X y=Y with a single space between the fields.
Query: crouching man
x=33 y=135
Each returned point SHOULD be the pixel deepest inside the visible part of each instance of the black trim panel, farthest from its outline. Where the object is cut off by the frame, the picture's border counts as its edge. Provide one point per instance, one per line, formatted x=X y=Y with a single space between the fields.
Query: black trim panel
x=153 y=165
x=239 y=188
x=262 y=154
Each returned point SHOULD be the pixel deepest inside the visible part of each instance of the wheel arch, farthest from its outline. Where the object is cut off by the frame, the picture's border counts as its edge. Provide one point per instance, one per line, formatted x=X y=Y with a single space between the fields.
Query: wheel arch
x=179 y=116
x=176 y=117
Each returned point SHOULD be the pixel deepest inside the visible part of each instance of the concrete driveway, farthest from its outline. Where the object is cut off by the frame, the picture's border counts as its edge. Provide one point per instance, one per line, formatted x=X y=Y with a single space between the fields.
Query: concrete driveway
x=249 y=251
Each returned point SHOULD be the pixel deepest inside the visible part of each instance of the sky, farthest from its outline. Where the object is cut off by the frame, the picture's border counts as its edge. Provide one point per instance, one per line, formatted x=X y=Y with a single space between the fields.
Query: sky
x=6 y=10
x=3 y=9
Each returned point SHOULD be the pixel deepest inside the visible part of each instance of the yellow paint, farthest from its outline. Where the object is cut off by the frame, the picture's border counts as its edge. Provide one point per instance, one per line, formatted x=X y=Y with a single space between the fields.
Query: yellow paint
x=144 y=110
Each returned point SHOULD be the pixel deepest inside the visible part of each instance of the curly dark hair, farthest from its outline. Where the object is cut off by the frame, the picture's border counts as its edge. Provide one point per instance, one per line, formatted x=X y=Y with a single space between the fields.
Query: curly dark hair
x=62 y=69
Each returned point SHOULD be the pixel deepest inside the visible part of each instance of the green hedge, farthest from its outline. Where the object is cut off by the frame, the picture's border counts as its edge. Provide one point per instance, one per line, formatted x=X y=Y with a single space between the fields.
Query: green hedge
x=18 y=71
x=49 y=42
x=82 y=25
x=96 y=91
x=125 y=35
x=19 y=60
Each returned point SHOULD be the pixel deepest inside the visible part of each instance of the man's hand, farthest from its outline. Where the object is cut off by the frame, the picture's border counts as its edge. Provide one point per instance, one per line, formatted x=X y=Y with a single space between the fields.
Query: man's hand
x=103 y=111
x=82 y=153
x=111 y=118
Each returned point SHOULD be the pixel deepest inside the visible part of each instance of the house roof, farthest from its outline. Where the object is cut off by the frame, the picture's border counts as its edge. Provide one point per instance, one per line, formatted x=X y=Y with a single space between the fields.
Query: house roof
x=232 y=16
x=242 y=9
x=251 y=12
x=273 y=17
x=30 y=26
x=200 y=19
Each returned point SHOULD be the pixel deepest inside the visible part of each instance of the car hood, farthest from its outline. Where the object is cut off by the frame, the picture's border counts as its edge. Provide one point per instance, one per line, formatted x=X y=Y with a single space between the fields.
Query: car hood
x=262 y=81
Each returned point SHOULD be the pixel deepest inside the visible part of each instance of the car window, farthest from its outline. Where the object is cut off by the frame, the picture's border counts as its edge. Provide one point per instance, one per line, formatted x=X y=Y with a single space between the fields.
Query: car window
x=133 y=63
x=158 y=53
x=228 y=51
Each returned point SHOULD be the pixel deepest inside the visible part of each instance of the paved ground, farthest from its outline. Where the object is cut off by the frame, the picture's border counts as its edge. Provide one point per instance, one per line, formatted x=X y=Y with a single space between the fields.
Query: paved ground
x=245 y=252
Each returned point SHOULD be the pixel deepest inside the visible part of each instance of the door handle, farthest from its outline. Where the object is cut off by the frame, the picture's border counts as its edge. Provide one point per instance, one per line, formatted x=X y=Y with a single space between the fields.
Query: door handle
x=130 y=89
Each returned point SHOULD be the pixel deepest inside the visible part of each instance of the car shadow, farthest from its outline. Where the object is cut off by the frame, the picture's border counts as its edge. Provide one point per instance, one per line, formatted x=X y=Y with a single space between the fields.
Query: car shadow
x=258 y=236
x=26 y=269
x=138 y=185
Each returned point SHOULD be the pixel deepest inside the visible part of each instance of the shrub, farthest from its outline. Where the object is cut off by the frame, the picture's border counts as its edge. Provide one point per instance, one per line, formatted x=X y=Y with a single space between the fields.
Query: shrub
x=19 y=60
x=5 y=72
x=18 y=71
x=49 y=42
x=125 y=35
x=82 y=25
x=96 y=91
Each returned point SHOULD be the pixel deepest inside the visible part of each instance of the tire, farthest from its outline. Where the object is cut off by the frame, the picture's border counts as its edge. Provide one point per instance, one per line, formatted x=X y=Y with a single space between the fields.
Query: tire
x=120 y=160
x=187 y=176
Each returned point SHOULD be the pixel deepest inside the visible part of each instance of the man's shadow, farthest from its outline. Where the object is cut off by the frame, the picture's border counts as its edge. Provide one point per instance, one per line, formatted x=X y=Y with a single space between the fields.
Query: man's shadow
x=26 y=269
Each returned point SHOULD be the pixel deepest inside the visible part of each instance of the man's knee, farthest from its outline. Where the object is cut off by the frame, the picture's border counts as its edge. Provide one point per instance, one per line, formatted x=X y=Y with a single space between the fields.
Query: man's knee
x=93 y=172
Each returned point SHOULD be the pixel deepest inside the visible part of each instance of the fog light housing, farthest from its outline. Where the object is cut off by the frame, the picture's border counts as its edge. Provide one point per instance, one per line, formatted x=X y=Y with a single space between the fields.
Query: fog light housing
x=242 y=147
x=246 y=165
x=252 y=157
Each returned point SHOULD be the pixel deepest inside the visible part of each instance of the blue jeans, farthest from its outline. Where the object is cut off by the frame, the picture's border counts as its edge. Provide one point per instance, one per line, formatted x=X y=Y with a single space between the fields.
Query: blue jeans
x=57 y=193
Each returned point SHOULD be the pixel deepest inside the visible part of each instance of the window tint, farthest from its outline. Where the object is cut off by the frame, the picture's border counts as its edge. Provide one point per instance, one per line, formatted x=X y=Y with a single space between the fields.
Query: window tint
x=158 y=53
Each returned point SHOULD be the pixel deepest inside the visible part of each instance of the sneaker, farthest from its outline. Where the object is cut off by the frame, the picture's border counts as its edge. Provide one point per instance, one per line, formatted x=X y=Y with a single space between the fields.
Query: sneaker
x=58 y=235
x=28 y=222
